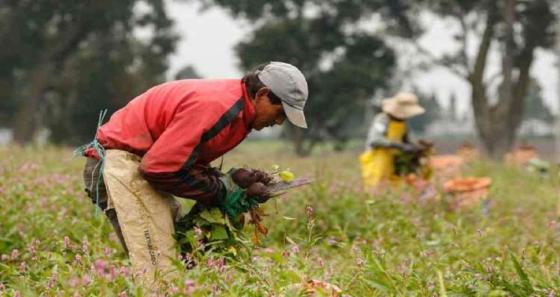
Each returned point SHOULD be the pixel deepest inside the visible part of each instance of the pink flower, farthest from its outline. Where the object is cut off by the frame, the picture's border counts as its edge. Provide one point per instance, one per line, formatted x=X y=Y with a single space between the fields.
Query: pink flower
x=112 y=273
x=173 y=290
x=22 y=267
x=15 y=254
x=52 y=280
x=189 y=286
x=216 y=263
x=73 y=282
x=107 y=252
x=17 y=294
x=309 y=212
x=124 y=271
x=86 y=280
x=78 y=259
x=332 y=241
x=294 y=248
x=32 y=248
x=123 y=294
x=100 y=266
x=85 y=246
x=67 y=244
x=360 y=262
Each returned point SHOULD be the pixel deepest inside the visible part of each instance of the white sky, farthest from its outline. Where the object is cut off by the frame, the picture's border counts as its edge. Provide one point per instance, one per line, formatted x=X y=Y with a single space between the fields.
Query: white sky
x=208 y=38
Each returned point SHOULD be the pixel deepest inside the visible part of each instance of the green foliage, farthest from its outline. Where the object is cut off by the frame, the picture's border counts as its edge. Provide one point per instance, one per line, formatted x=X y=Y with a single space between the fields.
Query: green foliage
x=187 y=72
x=65 y=60
x=344 y=60
x=369 y=245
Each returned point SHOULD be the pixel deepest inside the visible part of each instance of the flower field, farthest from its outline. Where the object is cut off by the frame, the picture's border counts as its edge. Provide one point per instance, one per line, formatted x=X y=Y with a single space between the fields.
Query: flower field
x=52 y=242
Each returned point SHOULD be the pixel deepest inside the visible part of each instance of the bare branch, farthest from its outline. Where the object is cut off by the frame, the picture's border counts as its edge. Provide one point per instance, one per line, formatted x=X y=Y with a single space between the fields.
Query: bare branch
x=464 y=40
x=444 y=62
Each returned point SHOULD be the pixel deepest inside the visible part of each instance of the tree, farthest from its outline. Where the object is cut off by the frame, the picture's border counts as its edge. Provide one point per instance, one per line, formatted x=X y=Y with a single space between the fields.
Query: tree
x=344 y=61
x=187 y=72
x=514 y=27
x=64 y=59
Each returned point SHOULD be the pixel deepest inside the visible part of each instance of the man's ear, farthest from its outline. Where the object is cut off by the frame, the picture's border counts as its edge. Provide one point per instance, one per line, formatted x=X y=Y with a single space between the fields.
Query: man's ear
x=262 y=92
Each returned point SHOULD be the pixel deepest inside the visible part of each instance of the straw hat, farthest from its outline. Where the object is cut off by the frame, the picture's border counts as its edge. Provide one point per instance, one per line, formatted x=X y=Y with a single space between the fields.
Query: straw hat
x=402 y=106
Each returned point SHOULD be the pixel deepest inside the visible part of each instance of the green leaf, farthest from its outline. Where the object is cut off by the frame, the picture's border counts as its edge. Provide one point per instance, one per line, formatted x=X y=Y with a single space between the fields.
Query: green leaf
x=525 y=282
x=219 y=232
x=213 y=215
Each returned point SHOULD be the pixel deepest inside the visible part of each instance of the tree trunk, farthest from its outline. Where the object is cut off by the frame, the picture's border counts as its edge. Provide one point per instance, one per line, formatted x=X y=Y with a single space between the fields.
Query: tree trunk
x=501 y=130
x=27 y=119
x=498 y=131
x=498 y=124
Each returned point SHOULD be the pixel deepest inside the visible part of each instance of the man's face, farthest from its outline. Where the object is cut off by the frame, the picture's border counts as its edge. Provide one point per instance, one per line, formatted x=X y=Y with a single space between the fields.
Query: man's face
x=267 y=114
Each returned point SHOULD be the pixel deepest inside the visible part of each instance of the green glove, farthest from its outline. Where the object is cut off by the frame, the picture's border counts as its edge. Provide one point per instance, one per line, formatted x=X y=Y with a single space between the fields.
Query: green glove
x=234 y=200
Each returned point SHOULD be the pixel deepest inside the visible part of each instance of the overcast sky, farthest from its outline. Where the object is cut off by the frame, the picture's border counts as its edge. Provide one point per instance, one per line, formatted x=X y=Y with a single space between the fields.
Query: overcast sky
x=208 y=38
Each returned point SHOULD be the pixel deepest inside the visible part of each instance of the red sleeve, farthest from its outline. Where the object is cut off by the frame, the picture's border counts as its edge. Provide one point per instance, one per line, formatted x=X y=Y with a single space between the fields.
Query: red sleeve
x=170 y=164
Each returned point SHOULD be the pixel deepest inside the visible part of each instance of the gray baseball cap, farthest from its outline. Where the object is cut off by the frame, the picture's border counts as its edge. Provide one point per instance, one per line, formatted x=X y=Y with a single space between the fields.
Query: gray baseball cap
x=289 y=84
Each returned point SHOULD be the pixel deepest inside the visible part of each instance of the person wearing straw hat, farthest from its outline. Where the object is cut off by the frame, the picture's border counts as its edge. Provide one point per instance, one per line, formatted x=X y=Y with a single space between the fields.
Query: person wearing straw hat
x=160 y=145
x=387 y=137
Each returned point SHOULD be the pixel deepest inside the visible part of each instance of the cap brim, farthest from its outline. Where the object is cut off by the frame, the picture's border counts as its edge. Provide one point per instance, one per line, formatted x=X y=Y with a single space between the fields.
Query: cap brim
x=295 y=116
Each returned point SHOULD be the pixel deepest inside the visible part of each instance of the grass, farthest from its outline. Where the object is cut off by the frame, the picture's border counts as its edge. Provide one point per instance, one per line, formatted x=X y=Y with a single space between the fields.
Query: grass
x=53 y=244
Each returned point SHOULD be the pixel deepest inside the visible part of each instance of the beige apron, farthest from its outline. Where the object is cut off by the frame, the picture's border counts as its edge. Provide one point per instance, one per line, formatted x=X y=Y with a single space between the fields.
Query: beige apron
x=146 y=218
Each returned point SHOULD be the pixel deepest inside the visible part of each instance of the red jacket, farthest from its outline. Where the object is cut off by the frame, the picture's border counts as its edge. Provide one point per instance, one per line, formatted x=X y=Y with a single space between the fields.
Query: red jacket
x=178 y=128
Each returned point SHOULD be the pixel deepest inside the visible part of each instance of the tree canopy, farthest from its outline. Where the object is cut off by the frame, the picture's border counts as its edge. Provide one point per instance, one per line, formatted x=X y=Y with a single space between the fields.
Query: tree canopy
x=62 y=61
x=337 y=46
x=514 y=29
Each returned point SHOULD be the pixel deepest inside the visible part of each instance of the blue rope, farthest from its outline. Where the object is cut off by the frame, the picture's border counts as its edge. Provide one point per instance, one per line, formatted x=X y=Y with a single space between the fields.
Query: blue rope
x=100 y=152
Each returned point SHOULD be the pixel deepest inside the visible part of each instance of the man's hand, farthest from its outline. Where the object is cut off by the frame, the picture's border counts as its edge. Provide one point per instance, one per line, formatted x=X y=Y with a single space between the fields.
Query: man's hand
x=259 y=191
x=245 y=177
x=254 y=182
